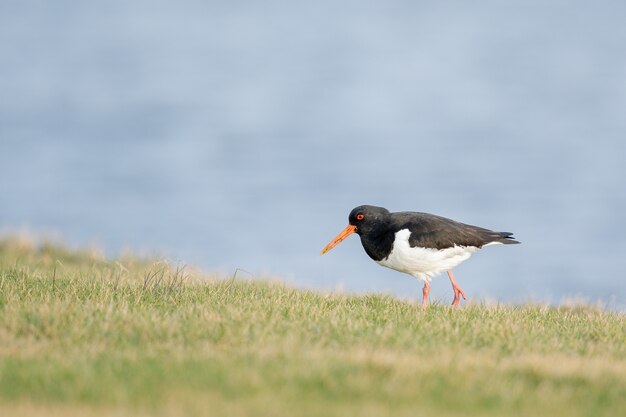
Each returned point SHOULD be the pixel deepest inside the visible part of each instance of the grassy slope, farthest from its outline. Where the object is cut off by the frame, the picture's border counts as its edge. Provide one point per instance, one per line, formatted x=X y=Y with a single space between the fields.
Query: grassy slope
x=96 y=338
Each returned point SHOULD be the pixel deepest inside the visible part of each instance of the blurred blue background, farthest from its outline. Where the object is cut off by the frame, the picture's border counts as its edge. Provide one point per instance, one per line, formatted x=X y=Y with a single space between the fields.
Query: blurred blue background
x=240 y=134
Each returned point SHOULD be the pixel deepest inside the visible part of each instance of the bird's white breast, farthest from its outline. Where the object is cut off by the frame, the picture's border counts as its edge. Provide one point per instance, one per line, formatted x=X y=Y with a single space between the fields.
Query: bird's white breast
x=423 y=263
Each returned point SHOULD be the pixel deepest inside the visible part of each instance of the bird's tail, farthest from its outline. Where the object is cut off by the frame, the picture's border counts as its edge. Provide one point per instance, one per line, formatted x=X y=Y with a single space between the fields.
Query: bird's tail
x=506 y=238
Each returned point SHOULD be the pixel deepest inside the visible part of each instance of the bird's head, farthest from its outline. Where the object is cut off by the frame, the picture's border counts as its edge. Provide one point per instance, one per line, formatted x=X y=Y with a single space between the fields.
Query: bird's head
x=364 y=220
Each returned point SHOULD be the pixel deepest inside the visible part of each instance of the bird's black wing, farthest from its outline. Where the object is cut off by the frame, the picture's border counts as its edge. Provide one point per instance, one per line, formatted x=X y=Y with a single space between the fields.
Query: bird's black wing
x=431 y=231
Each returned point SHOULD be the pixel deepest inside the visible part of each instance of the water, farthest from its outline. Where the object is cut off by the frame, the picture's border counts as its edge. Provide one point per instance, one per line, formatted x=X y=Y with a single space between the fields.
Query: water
x=240 y=135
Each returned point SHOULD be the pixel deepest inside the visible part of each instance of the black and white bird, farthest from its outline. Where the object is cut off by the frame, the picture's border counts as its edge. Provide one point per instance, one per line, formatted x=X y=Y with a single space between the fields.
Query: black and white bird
x=420 y=244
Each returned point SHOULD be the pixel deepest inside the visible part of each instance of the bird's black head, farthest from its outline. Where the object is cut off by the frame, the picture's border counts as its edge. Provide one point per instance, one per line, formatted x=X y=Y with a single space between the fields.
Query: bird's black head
x=368 y=219
x=364 y=220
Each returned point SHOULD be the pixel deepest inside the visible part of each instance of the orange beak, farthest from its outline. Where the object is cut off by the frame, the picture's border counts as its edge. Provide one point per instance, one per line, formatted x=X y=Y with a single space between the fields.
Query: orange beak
x=341 y=236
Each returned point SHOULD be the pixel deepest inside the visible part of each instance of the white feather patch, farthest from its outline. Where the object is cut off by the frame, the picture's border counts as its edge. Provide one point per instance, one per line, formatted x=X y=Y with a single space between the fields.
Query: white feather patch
x=492 y=243
x=424 y=263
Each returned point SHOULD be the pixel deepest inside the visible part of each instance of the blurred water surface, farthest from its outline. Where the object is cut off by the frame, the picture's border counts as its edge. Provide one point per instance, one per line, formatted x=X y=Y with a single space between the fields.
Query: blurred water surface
x=240 y=134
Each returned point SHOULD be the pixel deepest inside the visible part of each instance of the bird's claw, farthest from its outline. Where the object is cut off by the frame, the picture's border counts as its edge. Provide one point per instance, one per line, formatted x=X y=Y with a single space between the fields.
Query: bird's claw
x=458 y=293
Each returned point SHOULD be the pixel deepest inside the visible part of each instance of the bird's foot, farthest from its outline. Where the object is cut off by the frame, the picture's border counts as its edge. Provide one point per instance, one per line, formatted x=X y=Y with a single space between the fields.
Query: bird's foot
x=458 y=293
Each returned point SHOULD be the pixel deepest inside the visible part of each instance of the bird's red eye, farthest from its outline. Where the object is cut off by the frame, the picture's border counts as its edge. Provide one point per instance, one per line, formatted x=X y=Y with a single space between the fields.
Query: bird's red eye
x=359 y=216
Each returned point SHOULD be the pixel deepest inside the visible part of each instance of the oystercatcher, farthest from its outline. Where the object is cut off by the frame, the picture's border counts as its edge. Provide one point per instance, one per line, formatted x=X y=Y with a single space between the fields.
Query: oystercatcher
x=420 y=244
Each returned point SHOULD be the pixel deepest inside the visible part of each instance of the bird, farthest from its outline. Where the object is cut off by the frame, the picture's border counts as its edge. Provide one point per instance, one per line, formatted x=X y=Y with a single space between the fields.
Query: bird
x=422 y=245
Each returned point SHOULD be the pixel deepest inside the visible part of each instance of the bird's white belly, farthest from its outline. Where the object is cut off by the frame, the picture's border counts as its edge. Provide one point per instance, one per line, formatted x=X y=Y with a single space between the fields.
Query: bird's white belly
x=423 y=263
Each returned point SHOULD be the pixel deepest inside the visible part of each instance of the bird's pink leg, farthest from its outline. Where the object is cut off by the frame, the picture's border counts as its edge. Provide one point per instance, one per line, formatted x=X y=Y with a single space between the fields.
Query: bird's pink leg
x=457 y=290
x=425 y=292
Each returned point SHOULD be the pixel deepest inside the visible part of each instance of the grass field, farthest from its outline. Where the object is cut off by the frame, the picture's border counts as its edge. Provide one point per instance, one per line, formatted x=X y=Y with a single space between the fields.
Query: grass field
x=83 y=336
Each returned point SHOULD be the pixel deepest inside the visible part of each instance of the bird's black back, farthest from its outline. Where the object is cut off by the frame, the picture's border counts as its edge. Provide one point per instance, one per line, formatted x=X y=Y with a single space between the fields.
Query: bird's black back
x=432 y=231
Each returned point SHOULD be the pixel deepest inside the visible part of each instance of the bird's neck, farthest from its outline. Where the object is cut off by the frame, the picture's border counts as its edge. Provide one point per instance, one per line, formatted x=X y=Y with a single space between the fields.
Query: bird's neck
x=378 y=246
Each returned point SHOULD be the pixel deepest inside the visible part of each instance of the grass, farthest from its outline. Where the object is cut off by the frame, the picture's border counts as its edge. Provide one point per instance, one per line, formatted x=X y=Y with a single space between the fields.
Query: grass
x=80 y=335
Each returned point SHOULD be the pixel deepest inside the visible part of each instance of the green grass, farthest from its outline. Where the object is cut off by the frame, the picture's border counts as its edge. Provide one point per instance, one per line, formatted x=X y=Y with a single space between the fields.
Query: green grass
x=83 y=336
